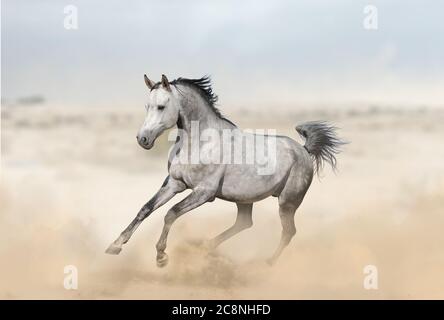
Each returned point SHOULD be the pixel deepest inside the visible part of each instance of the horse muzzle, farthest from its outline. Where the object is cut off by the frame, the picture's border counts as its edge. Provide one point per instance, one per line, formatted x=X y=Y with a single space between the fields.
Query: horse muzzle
x=145 y=142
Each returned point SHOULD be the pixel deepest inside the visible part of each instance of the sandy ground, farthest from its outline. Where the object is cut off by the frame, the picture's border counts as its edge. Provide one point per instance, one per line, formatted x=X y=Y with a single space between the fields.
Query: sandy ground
x=71 y=180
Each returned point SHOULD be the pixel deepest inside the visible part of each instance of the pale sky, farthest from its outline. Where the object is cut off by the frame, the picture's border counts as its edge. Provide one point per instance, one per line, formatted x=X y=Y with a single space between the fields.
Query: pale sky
x=259 y=53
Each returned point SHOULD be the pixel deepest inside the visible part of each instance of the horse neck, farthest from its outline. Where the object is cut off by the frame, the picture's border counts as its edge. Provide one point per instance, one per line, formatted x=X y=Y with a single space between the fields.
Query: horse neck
x=195 y=110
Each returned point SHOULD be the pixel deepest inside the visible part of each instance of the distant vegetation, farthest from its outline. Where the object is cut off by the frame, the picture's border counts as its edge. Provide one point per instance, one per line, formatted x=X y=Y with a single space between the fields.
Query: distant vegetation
x=31 y=100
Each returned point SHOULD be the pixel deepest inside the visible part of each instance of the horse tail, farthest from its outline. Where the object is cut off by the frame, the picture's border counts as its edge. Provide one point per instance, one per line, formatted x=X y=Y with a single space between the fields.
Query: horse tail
x=321 y=142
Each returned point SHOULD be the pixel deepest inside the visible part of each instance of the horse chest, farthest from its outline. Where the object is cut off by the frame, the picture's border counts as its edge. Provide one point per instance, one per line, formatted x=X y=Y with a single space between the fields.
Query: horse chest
x=191 y=175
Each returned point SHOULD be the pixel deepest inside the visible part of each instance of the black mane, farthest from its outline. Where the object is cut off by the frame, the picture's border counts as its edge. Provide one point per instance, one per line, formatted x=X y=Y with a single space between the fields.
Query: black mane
x=203 y=87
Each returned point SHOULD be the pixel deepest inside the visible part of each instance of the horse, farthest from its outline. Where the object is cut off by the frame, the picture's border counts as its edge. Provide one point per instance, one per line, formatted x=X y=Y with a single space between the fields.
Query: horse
x=189 y=104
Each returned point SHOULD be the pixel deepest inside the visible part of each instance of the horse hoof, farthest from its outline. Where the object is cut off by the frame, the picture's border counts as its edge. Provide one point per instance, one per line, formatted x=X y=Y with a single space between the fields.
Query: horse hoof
x=162 y=260
x=113 y=249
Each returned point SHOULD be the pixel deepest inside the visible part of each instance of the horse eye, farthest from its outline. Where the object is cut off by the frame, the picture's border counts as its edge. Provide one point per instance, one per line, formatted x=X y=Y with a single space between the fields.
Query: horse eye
x=160 y=107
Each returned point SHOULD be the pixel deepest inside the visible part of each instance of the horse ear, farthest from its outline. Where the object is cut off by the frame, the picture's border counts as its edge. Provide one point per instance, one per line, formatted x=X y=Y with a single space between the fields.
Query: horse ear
x=165 y=82
x=150 y=84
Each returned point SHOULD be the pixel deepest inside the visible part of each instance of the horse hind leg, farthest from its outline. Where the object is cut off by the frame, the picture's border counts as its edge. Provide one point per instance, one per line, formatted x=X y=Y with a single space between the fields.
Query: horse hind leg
x=286 y=214
x=289 y=200
x=243 y=221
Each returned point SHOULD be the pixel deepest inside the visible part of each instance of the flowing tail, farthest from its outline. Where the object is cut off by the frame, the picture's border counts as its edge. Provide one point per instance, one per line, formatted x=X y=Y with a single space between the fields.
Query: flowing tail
x=321 y=142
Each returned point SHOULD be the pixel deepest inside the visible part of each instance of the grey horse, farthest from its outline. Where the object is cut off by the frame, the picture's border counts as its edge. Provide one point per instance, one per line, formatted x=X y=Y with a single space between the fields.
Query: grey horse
x=187 y=102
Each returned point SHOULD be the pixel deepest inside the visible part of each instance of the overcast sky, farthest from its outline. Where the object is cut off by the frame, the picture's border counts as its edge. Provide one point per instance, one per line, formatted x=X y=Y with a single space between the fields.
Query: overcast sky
x=259 y=53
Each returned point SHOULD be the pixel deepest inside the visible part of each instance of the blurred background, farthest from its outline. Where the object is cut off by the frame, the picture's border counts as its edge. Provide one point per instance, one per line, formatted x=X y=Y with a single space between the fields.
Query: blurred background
x=73 y=176
x=259 y=53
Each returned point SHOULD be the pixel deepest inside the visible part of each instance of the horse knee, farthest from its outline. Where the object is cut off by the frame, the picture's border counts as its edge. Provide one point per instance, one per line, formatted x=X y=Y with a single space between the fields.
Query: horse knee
x=248 y=224
x=144 y=212
x=243 y=224
x=170 y=217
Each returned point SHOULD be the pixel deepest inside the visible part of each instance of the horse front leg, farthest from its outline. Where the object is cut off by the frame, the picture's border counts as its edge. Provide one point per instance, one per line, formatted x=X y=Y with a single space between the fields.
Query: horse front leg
x=165 y=193
x=197 y=198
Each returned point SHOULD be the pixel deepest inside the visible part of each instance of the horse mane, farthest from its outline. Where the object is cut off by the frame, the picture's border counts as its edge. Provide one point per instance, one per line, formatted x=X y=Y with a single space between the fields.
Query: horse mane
x=203 y=87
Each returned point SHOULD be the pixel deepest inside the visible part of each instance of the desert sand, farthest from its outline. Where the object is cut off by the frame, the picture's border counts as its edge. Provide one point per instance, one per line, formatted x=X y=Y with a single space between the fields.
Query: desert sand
x=72 y=179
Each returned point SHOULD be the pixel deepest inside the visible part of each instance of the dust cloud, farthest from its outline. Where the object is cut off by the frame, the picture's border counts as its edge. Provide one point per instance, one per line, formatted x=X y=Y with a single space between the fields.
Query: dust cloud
x=72 y=180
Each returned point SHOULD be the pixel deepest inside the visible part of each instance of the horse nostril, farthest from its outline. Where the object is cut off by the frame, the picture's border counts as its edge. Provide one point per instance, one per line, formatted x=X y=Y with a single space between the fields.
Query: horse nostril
x=143 y=139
